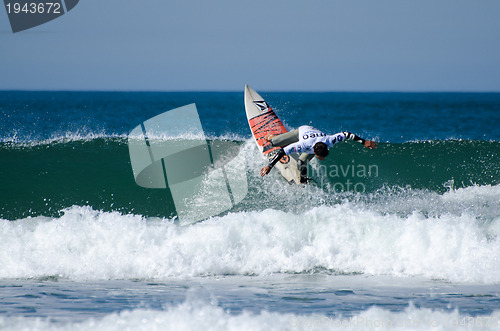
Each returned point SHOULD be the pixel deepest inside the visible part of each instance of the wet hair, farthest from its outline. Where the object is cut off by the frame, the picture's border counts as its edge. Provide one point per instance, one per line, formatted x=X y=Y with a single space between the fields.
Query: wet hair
x=320 y=149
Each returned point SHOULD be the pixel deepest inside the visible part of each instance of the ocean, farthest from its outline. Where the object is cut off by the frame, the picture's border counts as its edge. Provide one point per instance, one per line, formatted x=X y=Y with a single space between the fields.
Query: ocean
x=405 y=236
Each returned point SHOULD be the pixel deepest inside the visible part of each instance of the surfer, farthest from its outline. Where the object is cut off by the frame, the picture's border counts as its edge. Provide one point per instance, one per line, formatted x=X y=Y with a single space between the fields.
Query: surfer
x=307 y=141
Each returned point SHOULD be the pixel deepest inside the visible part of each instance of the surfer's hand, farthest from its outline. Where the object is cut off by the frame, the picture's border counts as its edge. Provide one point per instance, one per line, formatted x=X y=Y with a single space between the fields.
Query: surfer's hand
x=264 y=171
x=370 y=144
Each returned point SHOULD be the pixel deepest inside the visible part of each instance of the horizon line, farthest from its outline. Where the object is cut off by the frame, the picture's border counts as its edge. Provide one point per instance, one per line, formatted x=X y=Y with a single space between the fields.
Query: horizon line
x=242 y=91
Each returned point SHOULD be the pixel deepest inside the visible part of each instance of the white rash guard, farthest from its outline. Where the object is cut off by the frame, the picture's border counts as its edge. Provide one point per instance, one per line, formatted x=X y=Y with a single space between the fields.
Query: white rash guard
x=309 y=136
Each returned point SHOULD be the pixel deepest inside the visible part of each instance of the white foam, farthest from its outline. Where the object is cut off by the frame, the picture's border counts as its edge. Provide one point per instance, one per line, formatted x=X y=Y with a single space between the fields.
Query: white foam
x=77 y=136
x=206 y=316
x=63 y=138
x=482 y=202
x=85 y=244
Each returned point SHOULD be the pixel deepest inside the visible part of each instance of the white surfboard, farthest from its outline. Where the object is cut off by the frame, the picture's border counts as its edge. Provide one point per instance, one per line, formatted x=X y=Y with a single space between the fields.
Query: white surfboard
x=263 y=121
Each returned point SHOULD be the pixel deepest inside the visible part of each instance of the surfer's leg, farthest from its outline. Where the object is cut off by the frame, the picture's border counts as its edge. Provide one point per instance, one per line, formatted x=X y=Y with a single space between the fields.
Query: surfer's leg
x=302 y=165
x=286 y=138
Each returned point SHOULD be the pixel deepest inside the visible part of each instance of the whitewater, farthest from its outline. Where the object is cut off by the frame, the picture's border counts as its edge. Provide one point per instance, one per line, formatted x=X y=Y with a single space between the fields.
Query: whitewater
x=347 y=238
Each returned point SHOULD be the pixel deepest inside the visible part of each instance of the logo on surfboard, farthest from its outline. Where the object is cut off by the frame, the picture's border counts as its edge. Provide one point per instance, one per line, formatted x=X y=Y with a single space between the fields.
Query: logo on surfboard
x=285 y=159
x=262 y=105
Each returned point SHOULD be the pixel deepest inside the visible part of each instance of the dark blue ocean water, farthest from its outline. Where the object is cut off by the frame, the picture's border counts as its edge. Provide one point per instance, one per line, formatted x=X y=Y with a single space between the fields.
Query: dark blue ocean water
x=390 y=117
x=83 y=247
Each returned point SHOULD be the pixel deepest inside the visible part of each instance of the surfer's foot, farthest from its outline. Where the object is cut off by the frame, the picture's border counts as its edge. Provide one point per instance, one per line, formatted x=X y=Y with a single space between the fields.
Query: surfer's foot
x=269 y=137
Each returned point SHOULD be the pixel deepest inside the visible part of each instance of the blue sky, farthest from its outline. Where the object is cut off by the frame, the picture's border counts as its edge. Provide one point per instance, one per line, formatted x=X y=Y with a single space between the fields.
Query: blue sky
x=282 y=45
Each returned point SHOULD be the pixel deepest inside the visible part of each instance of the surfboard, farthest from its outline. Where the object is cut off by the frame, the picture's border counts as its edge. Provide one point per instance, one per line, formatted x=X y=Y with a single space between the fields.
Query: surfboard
x=263 y=121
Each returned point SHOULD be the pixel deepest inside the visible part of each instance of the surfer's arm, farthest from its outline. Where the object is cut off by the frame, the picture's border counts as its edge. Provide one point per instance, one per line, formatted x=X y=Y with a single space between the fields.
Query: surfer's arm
x=277 y=156
x=367 y=143
x=352 y=136
x=292 y=148
x=346 y=135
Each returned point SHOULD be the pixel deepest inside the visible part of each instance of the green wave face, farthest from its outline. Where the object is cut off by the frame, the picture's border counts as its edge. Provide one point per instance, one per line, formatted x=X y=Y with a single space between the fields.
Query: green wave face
x=44 y=179
x=431 y=165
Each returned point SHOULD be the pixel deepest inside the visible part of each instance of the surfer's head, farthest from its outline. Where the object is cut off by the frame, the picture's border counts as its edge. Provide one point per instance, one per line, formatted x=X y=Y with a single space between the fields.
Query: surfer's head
x=321 y=150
